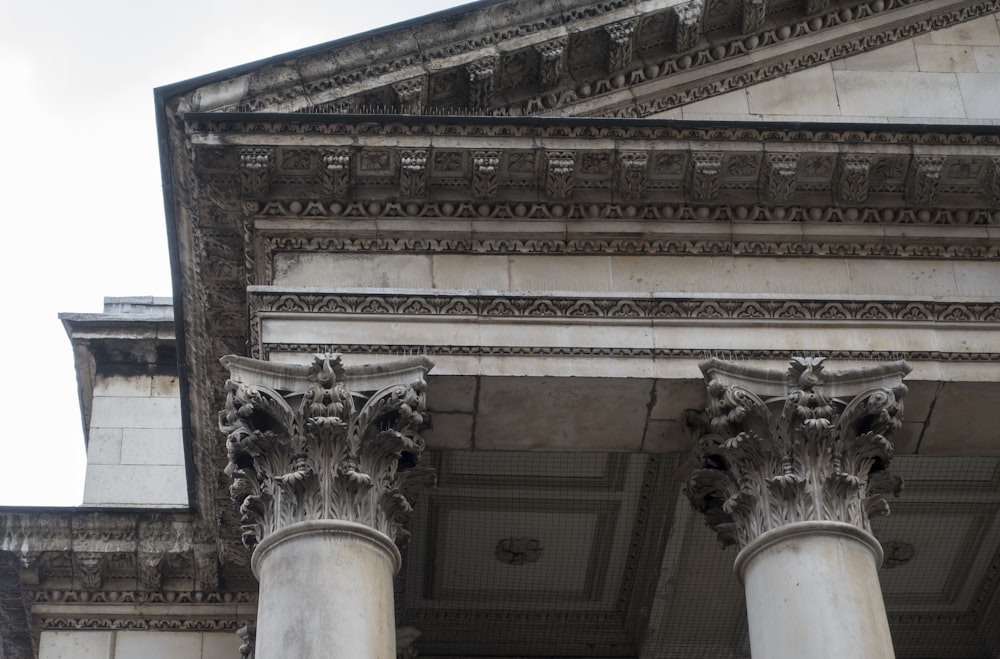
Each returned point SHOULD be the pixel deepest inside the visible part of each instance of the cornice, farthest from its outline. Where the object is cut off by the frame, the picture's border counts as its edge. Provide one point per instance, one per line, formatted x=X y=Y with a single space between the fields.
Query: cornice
x=610 y=58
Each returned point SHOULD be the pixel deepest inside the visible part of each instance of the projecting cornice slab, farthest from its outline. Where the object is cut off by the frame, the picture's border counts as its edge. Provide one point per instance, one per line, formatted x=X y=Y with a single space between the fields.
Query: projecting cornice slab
x=624 y=58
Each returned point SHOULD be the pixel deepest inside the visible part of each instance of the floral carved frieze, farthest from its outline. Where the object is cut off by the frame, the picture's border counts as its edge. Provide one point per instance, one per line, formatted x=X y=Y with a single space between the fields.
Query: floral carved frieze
x=806 y=445
x=324 y=442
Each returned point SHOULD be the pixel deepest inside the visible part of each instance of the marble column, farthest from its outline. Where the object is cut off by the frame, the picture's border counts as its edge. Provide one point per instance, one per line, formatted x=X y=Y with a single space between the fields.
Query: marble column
x=325 y=466
x=790 y=468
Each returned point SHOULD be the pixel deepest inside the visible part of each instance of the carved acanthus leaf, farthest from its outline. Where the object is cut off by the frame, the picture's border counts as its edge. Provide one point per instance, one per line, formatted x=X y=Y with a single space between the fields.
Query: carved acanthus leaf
x=632 y=173
x=551 y=61
x=705 y=173
x=410 y=95
x=778 y=177
x=485 y=174
x=687 y=25
x=559 y=174
x=336 y=454
x=850 y=180
x=770 y=460
x=481 y=75
x=752 y=16
x=336 y=171
x=924 y=180
x=248 y=641
x=413 y=172
x=620 y=41
x=255 y=170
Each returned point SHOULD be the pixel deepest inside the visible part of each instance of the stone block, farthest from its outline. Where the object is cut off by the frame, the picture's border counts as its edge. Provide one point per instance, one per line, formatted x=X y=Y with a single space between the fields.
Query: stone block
x=730 y=103
x=673 y=397
x=987 y=58
x=158 y=645
x=451 y=393
x=781 y=275
x=118 y=385
x=898 y=94
x=956 y=426
x=104 y=446
x=220 y=645
x=449 y=431
x=135 y=412
x=453 y=271
x=353 y=270
x=906 y=440
x=661 y=274
x=946 y=59
x=75 y=645
x=978 y=279
x=166 y=386
x=560 y=273
x=919 y=278
x=807 y=92
x=135 y=485
x=562 y=414
x=980 y=94
x=152 y=446
x=429 y=332
x=667 y=436
x=895 y=57
x=978 y=32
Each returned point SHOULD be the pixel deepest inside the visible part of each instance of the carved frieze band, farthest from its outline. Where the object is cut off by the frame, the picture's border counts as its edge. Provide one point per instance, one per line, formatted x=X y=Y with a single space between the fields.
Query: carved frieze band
x=766 y=460
x=269 y=349
x=330 y=454
x=646 y=307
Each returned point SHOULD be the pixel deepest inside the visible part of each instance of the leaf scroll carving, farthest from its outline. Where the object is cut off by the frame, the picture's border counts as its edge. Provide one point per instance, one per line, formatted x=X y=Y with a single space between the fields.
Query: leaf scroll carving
x=766 y=460
x=336 y=454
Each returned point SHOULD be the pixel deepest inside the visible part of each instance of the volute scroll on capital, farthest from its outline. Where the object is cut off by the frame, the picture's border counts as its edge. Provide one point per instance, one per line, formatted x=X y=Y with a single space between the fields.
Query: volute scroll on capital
x=806 y=445
x=325 y=442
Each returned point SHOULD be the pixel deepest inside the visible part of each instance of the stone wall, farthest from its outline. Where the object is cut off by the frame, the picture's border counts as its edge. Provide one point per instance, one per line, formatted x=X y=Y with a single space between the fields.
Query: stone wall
x=947 y=76
x=135 y=454
x=138 y=645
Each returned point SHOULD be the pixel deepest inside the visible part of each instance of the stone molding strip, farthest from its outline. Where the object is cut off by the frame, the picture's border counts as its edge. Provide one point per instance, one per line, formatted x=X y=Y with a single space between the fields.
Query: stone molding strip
x=647 y=307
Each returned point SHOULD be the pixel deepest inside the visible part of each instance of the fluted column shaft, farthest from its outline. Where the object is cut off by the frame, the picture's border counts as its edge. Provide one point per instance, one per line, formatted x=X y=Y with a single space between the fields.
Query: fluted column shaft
x=790 y=468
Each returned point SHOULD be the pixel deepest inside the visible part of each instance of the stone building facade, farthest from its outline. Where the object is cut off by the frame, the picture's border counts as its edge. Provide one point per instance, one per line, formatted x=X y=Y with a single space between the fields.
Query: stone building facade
x=469 y=311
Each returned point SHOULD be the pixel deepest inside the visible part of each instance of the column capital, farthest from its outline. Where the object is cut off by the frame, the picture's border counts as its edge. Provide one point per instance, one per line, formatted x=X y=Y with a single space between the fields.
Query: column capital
x=806 y=444
x=324 y=442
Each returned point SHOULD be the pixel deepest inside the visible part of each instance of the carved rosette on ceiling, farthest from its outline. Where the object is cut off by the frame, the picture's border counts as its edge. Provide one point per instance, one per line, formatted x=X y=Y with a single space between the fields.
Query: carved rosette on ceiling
x=325 y=442
x=808 y=446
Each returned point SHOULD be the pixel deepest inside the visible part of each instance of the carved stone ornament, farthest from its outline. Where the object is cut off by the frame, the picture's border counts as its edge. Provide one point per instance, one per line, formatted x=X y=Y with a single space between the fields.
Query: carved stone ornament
x=485 y=174
x=687 y=25
x=620 y=38
x=481 y=75
x=255 y=170
x=413 y=172
x=551 y=61
x=632 y=173
x=248 y=641
x=336 y=172
x=706 y=169
x=518 y=551
x=778 y=177
x=324 y=442
x=850 y=180
x=559 y=174
x=753 y=14
x=924 y=180
x=806 y=445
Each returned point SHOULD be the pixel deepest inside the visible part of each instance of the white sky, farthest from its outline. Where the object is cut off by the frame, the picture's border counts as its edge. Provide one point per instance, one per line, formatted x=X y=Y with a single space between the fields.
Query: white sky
x=82 y=210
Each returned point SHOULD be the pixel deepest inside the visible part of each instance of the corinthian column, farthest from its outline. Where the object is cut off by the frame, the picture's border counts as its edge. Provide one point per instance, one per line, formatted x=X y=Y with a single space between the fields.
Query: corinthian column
x=325 y=463
x=790 y=469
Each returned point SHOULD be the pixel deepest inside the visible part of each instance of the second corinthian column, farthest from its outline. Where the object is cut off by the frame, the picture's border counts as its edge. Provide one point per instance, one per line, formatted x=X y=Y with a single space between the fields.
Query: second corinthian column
x=324 y=461
x=790 y=469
